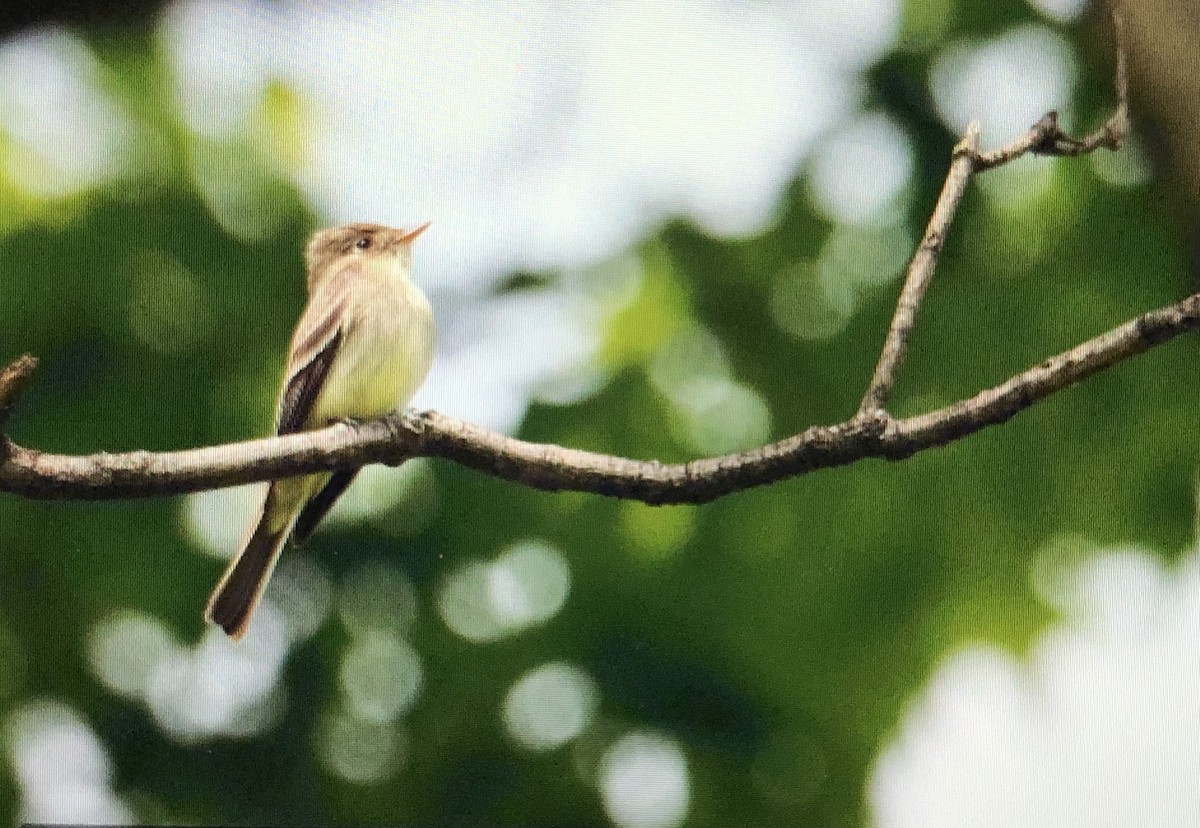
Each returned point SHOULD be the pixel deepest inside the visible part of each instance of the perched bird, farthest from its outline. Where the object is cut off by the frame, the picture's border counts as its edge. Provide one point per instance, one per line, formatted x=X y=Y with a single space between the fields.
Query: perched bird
x=361 y=349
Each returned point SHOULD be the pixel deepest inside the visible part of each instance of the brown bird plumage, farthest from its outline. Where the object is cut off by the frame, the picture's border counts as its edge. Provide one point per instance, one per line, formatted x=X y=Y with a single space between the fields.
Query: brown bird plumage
x=361 y=349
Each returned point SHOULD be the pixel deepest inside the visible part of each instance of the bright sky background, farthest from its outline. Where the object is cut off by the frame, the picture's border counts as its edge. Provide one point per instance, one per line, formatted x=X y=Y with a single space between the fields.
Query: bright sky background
x=1098 y=725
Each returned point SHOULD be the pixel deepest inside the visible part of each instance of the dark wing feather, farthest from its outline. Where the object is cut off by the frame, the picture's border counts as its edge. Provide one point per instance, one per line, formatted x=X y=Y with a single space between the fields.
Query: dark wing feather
x=320 y=504
x=300 y=393
x=315 y=344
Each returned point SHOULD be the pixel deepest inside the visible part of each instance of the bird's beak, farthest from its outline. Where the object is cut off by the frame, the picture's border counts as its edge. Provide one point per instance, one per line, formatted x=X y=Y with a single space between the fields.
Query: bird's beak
x=411 y=235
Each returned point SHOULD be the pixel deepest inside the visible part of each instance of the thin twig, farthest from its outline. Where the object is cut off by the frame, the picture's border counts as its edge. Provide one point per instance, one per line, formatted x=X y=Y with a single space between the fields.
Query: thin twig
x=1044 y=138
x=920 y=272
x=1047 y=138
x=429 y=434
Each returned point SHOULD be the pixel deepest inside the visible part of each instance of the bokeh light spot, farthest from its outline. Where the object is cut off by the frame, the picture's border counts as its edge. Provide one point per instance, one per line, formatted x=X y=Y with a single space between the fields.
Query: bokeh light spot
x=723 y=415
x=62 y=768
x=801 y=307
x=644 y=781
x=693 y=351
x=525 y=585
x=853 y=33
x=200 y=692
x=863 y=256
x=1016 y=189
x=1007 y=83
x=528 y=584
x=1128 y=167
x=464 y=604
x=358 y=751
x=217 y=519
x=716 y=414
x=550 y=705
x=62 y=134
x=1096 y=724
x=381 y=677
x=240 y=191
x=124 y=648
x=861 y=169
x=301 y=589
x=1061 y=11
x=398 y=501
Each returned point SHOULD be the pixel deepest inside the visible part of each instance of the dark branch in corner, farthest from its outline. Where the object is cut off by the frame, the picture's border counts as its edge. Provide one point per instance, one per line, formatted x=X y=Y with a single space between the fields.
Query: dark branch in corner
x=871 y=433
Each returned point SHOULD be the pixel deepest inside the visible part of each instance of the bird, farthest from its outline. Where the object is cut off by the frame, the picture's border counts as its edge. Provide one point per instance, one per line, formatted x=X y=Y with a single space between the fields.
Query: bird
x=361 y=349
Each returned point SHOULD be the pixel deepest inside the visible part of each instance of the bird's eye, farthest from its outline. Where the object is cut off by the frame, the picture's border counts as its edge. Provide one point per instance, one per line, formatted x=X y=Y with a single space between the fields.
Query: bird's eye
x=363 y=243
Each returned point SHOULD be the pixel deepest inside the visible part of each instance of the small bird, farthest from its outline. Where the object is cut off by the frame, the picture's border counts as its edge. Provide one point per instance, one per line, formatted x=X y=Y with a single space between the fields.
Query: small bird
x=361 y=349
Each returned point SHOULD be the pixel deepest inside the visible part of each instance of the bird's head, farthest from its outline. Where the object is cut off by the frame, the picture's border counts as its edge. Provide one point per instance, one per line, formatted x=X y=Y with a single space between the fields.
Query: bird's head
x=330 y=249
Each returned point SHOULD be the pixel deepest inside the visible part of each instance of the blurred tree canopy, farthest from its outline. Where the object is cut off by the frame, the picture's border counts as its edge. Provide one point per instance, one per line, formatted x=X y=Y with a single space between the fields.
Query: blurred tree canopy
x=771 y=639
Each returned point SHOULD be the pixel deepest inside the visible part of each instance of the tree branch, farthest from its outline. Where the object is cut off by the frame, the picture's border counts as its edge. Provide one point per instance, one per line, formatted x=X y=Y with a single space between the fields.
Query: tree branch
x=1047 y=138
x=871 y=433
x=919 y=275
x=429 y=434
x=1043 y=138
x=13 y=380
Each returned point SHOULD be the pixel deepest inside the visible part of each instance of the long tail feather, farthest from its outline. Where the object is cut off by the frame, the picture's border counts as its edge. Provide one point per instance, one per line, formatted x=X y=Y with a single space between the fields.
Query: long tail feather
x=239 y=590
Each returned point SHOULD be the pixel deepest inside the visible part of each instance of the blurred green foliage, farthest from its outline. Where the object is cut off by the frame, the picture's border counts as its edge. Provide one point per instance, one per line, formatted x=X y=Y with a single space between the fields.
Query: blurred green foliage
x=776 y=633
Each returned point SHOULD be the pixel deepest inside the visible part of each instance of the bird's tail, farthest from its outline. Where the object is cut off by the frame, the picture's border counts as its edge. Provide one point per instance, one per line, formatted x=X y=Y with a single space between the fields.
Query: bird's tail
x=240 y=588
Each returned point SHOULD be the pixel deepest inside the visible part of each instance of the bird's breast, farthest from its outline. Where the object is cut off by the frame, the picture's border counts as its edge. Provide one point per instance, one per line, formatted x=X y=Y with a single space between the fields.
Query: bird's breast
x=385 y=353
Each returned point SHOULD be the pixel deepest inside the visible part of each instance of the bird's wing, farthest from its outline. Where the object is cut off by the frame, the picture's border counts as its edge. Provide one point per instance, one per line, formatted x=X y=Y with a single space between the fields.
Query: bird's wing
x=319 y=334
x=319 y=505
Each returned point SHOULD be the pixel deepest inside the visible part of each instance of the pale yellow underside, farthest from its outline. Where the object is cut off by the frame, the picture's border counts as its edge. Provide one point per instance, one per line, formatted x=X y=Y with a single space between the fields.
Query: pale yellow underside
x=386 y=348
